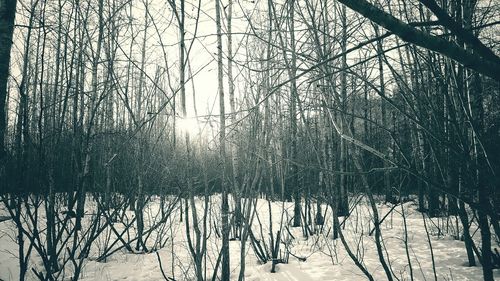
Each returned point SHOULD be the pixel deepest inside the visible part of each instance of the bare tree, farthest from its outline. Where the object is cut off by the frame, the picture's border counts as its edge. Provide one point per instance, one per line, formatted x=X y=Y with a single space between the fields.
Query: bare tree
x=222 y=143
x=7 y=17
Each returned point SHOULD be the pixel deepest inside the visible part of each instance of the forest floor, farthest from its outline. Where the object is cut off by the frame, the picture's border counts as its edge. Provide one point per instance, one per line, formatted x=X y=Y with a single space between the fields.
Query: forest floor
x=326 y=259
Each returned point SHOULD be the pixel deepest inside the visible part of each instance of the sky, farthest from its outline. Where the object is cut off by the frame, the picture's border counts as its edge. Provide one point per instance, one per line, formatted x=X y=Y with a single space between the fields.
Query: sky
x=202 y=57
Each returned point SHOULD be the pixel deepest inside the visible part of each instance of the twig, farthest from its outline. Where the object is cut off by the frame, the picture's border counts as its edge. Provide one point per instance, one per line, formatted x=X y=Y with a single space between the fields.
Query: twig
x=161 y=268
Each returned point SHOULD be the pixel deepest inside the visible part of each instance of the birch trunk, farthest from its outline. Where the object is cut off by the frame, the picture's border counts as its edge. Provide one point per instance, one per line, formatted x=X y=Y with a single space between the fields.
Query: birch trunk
x=222 y=143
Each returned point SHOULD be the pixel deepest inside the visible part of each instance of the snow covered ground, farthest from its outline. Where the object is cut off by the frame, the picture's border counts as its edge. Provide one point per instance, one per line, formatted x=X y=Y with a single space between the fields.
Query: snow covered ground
x=326 y=259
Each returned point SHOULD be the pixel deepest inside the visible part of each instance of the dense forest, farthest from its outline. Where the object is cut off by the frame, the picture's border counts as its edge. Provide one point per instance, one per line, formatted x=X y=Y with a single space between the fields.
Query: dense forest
x=120 y=118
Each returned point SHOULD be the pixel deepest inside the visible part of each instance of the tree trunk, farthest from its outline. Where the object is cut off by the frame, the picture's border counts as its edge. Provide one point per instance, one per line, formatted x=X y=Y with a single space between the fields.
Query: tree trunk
x=7 y=18
x=422 y=39
x=387 y=181
x=232 y=103
x=294 y=184
x=343 y=204
x=222 y=143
